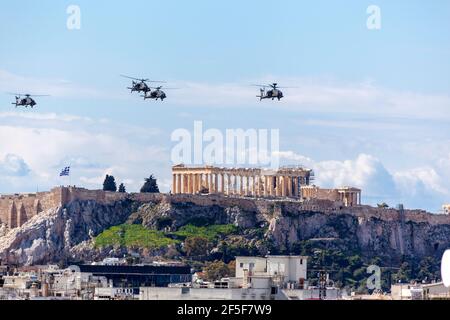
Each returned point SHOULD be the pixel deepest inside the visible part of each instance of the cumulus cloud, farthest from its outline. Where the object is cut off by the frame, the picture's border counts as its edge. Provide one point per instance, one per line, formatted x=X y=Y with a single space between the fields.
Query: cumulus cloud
x=365 y=172
x=92 y=149
x=13 y=166
x=416 y=188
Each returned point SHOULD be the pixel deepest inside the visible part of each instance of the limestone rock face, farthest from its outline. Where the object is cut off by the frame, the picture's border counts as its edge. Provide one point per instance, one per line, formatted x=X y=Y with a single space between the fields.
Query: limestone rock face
x=3 y=229
x=66 y=233
x=49 y=236
x=175 y=215
x=389 y=239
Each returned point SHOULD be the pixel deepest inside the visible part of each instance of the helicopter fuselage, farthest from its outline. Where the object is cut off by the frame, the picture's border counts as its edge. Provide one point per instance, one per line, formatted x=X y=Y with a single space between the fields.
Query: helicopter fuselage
x=271 y=94
x=139 y=87
x=156 y=94
x=25 y=102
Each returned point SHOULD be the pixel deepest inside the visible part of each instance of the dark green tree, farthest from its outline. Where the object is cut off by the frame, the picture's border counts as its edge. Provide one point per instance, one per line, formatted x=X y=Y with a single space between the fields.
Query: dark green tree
x=217 y=270
x=150 y=185
x=122 y=188
x=196 y=246
x=109 y=184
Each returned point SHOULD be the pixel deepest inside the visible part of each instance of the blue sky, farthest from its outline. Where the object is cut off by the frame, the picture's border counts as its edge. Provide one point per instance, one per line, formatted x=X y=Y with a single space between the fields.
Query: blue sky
x=371 y=107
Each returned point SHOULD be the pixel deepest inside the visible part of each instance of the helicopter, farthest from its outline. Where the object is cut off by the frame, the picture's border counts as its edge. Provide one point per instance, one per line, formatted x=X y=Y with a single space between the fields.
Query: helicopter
x=27 y=101
x=157 y=93
x=273 y=93
x=140 y=85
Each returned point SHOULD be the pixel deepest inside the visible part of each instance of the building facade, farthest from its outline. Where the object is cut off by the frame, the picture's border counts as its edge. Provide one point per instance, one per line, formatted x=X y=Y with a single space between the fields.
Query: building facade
x=285 y=182
x=349 y=196
x=288 y=269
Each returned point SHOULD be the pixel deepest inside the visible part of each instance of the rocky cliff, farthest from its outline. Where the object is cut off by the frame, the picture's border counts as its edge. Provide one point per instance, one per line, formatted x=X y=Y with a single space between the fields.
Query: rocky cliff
x=65 y=233
x=50 y=236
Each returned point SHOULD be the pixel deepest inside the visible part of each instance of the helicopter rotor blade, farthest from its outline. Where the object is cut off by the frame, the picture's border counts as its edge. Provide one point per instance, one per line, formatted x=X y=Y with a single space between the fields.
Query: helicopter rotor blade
x=122 y=75
x=168 y=88
x=142 y=80
x=28 y=95
x=133 y=78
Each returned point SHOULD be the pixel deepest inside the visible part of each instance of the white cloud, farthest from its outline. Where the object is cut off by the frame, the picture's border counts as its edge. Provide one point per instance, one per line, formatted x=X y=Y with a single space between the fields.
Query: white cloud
x=319 y=95
x=13 y=166
x=14 y=83
x=416 y=188
x=92 y=149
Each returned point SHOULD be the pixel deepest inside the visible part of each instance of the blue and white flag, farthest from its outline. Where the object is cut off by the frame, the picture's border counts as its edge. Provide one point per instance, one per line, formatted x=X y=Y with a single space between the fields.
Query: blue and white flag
x=65 y=172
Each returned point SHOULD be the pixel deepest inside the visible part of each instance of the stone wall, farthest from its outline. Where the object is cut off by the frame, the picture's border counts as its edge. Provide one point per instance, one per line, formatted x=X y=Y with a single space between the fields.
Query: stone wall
x=15 y=210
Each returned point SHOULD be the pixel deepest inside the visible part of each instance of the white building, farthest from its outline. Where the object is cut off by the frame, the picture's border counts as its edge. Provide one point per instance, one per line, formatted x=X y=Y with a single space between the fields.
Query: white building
x=186 y=293
x=419 y=291
x=257 y=278
x=285 y=269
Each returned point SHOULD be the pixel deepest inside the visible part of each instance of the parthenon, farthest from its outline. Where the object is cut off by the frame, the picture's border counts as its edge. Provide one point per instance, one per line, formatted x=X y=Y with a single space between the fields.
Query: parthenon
x=285 y=182
x=291 y=182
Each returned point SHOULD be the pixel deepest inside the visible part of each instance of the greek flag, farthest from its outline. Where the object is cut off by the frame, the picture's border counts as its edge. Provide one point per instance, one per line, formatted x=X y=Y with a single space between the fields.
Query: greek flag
x=65 y=172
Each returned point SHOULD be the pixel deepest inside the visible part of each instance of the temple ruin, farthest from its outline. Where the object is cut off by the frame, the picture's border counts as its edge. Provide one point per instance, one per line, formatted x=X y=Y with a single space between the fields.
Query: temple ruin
x=290 y=182
x=285 y=182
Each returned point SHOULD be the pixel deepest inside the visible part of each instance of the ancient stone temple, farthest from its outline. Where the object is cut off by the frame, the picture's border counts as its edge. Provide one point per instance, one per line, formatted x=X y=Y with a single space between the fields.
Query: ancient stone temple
x=284 y=182
x=349 y=196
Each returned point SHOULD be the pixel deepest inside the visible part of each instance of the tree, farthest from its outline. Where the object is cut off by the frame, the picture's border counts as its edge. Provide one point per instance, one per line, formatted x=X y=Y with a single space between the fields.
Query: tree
x=403 y=275
x=150 y=185
x=109 y=184
x=383 y=205
x=232 y=268
x=217 y=270
x=196 y=246
x=122 y=188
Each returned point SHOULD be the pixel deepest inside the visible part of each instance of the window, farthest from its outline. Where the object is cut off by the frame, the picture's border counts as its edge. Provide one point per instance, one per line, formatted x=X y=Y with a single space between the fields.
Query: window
x=252 y=265
x=241 y=265
x=185 y=290
x=301 y=261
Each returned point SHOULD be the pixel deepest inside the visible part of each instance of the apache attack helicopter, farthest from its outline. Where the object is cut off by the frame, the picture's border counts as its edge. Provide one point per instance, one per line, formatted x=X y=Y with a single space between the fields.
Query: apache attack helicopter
x=157 y=93
x=273 y=93
x=140 y=85
x=27 y=101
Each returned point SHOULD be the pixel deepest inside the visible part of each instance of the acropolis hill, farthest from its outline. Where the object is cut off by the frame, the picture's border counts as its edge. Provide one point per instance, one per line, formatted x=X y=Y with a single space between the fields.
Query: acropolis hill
x=17 y=209
x=60 y=224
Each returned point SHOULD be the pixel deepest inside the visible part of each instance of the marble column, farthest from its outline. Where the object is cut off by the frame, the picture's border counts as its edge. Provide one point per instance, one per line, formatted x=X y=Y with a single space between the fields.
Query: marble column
x=270 y=185
x=174 y=183
x=207 y=181
x=247 y=190
x=216 y=183
x=283 y=186
x=222 y=183
x=188 y=183
x=184 y=183
x=289 y=186
x=200 y=182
